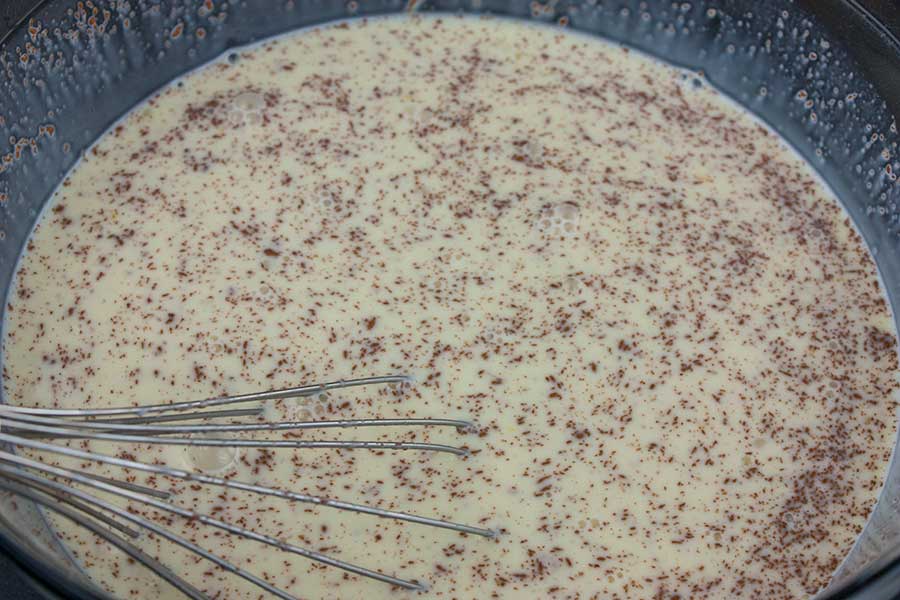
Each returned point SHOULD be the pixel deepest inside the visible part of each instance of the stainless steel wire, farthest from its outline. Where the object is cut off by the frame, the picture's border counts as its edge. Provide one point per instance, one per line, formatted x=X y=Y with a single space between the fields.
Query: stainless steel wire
x=27 y=427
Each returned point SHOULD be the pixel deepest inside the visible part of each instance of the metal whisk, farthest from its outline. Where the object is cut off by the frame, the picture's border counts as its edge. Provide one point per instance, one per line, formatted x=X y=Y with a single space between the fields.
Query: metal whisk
x=39 y=482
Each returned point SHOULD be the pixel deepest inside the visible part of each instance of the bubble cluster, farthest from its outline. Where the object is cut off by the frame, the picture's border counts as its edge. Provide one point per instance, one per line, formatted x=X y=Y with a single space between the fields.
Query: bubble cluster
x=327 y=199
x=292 y=409
x=246 y=108
x=795 y=521
x=454 y=258
x=318 y=404
x=560 y=220
x=210 y=459
x=493 y=336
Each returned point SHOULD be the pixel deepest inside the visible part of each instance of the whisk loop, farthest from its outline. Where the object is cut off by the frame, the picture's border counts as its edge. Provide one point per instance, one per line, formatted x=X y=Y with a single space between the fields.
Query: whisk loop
x=39 y=482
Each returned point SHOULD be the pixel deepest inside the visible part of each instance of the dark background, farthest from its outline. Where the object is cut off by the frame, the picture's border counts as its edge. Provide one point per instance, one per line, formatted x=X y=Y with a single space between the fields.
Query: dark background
x=11 y=12
x=16 y=585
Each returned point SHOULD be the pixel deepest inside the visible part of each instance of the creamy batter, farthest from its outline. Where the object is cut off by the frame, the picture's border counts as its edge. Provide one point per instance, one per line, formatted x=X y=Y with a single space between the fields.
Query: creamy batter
x=671 y=337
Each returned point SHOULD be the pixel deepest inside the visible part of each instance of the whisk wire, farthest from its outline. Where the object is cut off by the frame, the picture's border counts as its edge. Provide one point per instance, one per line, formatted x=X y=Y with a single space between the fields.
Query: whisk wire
x=147 y=424
x=282 y=394
x=145 y=523
x=9 y=484
x=195 y=516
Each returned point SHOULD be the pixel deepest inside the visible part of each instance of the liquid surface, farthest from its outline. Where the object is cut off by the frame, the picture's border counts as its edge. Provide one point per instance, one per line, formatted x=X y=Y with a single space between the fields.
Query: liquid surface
x=672 y=339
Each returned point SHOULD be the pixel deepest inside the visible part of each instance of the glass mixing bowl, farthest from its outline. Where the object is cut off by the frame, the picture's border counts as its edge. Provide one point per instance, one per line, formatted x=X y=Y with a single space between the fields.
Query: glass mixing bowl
x=824 y=73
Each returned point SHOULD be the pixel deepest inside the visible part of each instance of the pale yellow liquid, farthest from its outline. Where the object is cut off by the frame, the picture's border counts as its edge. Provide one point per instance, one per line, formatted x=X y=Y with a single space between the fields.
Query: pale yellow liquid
x=671 y=337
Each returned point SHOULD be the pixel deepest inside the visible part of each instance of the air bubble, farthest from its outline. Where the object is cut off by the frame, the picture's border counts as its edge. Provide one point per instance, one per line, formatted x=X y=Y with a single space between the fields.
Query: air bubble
x=246 y=109
x=489 y=336
x=568 y=211
x=210 y=459
x=292 y=409
x=572 y=284
x=560 y=220
x=529 y=151
x=327 y=200
x=455 y=258
x=265 y=292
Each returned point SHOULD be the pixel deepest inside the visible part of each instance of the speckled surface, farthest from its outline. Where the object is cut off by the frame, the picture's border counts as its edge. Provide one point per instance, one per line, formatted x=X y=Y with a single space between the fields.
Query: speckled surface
x=677 y=251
